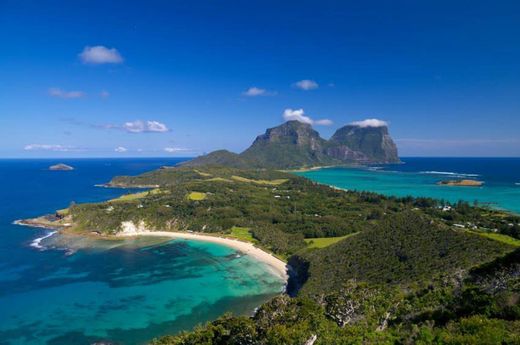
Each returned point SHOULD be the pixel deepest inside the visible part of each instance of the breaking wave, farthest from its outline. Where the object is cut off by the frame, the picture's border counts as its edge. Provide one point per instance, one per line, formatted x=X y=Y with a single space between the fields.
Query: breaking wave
x=448 y=173
x=37 y=242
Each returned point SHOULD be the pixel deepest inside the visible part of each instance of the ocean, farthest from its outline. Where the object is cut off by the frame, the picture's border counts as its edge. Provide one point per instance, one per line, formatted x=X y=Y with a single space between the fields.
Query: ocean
x=419 y=177
x=63 y=291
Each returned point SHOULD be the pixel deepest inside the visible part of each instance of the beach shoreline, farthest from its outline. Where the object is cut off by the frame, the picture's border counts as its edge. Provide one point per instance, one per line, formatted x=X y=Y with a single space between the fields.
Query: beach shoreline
x=276 y=265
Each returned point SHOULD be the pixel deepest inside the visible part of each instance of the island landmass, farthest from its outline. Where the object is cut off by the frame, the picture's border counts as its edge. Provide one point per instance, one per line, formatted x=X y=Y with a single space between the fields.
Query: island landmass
x=61 y=167
x=461 y=183
x=361 y=267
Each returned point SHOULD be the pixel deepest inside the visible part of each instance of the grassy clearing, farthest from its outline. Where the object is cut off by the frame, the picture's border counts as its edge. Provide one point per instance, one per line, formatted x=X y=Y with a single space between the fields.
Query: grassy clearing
x=136 y=196
x=203 y=173
x=197 y=196
x=219 y=179
x=241 y=233
x=275 y=182
x=63 y=212
x=322 y=242
x=500 y=238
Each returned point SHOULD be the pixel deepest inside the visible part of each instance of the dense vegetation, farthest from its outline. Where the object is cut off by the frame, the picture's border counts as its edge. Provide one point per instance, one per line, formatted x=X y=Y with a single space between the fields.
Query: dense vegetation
x=405 y=248
x=386 y=271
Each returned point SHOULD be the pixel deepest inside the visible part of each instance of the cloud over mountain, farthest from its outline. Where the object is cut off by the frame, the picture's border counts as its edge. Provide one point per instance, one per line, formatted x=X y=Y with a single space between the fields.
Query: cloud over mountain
x=369 y=123
x=299 y=115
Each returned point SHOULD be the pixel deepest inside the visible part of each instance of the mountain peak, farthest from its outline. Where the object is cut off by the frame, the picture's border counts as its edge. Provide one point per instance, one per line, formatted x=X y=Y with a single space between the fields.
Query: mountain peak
x=369 y=144
x=295 y=144
x=291 y=131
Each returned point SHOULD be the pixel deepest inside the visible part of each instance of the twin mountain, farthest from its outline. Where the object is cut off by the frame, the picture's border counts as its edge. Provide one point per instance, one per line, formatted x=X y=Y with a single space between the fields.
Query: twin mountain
x=296 y=145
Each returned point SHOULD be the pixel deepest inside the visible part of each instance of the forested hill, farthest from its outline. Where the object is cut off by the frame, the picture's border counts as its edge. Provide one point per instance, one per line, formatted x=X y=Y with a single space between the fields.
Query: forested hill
x=296 y=145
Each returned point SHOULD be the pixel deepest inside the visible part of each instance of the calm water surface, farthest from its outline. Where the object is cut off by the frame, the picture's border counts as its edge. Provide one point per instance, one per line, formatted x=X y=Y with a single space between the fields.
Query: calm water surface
x=419 y=177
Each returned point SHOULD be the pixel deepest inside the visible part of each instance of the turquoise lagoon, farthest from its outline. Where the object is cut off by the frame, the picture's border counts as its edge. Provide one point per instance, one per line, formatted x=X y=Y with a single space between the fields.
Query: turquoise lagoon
x=61 y=290
x=419 y=177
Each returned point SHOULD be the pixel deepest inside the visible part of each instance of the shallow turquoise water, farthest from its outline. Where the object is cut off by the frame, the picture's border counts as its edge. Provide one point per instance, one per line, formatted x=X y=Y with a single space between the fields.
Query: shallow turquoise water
x=73 y=291
x=419 y=177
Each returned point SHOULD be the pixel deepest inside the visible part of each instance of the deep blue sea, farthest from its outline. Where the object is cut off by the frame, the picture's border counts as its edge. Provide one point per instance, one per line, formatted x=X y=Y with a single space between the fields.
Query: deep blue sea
x=61 y=291
x=419 y=177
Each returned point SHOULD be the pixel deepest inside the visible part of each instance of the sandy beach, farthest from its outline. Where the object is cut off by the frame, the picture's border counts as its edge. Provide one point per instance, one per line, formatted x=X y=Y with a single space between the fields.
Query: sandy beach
x=278 y=266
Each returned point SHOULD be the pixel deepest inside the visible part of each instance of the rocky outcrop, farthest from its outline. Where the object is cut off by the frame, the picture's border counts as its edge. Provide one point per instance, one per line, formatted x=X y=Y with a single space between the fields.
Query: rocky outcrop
x=61 y=166
x=363 y=144
x=295 y=145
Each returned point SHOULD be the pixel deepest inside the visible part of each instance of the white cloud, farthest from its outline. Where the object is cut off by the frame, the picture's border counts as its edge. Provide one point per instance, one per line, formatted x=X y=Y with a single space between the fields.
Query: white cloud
x=57 y=92
x=104 y=94
x=144 y=126
x=323 y=122
x=306 y=85
x=120 y=149
x=174 y=149
x=256 y=91
x=369 y=123
x=296 y=114
x=50 y=147
x=100 y=55
x=299 y=115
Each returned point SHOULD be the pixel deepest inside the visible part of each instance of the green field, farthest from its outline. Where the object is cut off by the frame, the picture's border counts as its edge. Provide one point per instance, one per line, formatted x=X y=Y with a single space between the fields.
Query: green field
x=322 y=242
x=63 y=212
x=203 y=173
x=241 y=233
x=197 y=196
x=219 y=179
x=500 y=238
x=136 y=196
x=274 y=182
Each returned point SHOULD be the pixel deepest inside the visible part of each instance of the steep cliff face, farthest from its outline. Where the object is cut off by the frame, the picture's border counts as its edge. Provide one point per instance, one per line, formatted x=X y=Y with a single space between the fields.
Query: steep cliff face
x=295 y=145
x=290 y=145
x=363 y=144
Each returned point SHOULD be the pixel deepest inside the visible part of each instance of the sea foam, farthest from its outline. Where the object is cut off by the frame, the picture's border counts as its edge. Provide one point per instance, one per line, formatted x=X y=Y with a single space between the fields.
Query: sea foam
x=36 y=243
x=448 y=173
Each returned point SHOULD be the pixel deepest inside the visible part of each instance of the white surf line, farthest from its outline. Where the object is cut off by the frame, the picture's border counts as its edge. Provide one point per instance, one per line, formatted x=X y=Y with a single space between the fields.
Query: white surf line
x=36 y=243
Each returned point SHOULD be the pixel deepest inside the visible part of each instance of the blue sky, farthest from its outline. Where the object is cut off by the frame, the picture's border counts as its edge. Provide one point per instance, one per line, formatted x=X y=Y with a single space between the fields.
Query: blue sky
x=179 y=78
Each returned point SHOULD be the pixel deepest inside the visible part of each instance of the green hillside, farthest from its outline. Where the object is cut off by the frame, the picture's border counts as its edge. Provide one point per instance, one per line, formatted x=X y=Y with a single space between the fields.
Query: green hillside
x=405 y=248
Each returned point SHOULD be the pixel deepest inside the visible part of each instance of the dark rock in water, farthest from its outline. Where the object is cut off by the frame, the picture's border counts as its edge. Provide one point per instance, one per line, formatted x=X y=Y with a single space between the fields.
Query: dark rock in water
x=61 y=167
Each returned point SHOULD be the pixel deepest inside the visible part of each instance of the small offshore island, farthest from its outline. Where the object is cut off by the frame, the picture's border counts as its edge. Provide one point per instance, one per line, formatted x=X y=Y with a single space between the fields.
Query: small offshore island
x=61 y=167
x=360 y=266
x=461 y=183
